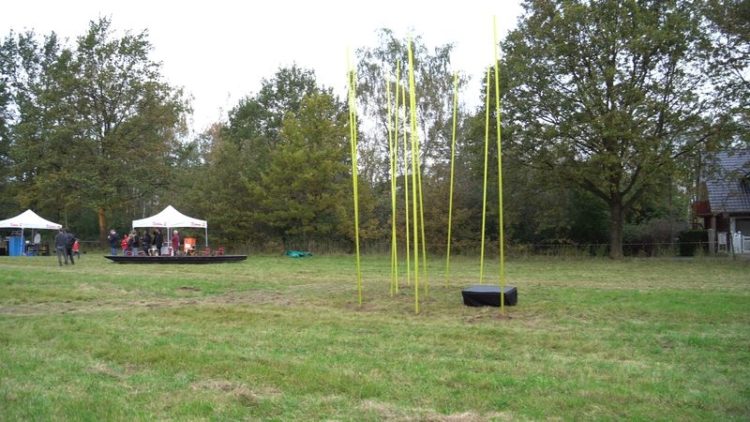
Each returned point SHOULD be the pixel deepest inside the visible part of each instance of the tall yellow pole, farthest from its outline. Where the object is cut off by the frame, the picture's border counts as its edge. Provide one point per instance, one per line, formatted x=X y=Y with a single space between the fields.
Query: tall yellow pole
x=407 y=235
x=484 y=185
x=414 y=152
x=499 y=170
x=394 y=177
x=450 y=194
x=355 y=182
x=391 y=150
x=421 y=223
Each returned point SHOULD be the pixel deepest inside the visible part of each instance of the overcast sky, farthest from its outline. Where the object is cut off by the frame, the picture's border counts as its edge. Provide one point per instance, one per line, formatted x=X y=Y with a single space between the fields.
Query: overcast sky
x=220 y=50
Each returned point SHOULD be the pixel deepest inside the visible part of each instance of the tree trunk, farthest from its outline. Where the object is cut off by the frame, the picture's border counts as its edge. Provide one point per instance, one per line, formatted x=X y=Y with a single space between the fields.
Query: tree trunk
x=102 y=226
x=616 y=217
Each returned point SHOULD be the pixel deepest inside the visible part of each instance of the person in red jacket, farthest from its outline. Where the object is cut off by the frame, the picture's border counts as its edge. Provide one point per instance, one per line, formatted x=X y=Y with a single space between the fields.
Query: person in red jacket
x=124 y=244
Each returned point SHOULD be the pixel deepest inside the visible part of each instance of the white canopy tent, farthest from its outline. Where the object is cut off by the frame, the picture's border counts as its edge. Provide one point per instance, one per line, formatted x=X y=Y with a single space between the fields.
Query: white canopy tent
x=170 y=218
x=29 y=220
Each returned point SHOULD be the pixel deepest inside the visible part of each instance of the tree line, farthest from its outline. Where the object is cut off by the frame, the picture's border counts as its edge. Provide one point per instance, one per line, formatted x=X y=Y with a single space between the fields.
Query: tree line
x=607 y=107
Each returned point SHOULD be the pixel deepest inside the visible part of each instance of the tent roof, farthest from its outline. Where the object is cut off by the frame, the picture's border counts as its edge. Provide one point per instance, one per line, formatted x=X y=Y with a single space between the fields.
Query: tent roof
x=29 y=220
x=170 y=217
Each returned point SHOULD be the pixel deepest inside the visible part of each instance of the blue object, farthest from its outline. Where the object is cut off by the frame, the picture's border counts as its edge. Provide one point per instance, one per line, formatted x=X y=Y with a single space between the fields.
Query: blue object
x=298 y=254
x=15 y=245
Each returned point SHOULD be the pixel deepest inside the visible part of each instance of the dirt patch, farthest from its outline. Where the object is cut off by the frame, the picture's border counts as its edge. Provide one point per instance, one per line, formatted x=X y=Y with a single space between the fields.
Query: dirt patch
x=189 y=289
x=389 y=412
x=102 y=369
x=239 y=391
x=470 y=417
x=490 y=314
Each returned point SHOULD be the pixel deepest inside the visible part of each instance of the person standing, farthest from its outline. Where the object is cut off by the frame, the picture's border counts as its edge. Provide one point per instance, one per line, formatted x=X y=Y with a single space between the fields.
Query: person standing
x=175 y=243
x=70 y=240
x=114 y=242
x=37 y=242
x=134 y=242
x=124 y=244
x=60 y=247
x=158 y=241
x=76 y=249
x=146 y=242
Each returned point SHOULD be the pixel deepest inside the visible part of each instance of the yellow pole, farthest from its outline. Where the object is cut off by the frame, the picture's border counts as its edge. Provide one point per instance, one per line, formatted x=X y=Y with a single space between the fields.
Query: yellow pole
x=394 y=177
x=450 y=194
x=355 y=182
x=421 y=224
x=484 y=186
x=499 y=169
x=406 y=195
x=414 y=152
x=394 y=268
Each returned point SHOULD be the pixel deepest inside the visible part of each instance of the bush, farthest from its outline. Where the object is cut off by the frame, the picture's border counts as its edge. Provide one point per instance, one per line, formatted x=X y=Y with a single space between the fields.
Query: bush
x=690 y=240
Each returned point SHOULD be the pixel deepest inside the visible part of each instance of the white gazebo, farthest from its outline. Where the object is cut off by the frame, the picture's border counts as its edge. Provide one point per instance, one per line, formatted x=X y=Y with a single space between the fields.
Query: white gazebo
x=29 y=220
x=170 y=218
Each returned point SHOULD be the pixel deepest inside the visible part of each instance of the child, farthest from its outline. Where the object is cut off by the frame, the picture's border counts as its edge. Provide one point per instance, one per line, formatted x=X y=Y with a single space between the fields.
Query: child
x=76 y=249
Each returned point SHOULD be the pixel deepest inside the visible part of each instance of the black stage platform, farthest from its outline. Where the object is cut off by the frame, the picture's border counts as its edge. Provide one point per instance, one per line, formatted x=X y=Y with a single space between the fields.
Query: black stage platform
x=488 y=295
x=197 y=259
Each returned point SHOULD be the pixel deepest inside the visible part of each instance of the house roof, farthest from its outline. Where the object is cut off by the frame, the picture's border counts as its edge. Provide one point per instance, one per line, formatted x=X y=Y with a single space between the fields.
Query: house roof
x=729 y=186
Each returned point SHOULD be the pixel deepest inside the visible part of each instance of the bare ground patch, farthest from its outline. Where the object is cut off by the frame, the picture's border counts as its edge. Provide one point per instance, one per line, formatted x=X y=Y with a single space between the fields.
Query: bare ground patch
x=239 y=391
x=386 y=411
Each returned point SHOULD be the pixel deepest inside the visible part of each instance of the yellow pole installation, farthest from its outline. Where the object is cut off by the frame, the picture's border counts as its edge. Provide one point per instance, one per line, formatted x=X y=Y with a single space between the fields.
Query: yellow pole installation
x=450 y=194
x=499 y=169
x=414 y=152
x=484 y=186
x=391 y=154
x=394 y=171
x=355 y=182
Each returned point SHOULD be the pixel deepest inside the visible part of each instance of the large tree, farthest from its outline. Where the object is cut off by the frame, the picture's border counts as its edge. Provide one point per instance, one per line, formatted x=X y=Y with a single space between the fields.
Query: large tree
x=91 y=127
x=607 y=94
x=131 y=119
x=434 y=92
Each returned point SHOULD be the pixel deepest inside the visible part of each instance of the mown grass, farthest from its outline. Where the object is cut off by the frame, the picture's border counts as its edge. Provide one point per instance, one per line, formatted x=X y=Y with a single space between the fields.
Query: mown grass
x=275 y=338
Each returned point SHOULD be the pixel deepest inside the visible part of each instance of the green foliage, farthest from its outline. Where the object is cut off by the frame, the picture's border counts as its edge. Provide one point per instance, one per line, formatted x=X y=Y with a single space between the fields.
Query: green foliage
x=727 y=23
x=692 y=240
x=306 y=185
x=434 y=93
x=92 y=126
x=278 y=169
x=606 y=95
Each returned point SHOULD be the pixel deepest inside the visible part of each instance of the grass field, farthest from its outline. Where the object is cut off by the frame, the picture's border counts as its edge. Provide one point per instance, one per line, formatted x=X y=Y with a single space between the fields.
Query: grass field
x=276 y=338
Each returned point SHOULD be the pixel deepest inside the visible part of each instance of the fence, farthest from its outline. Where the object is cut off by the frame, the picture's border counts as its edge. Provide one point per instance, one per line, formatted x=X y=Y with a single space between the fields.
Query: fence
x=466 y=248
x=463 y=248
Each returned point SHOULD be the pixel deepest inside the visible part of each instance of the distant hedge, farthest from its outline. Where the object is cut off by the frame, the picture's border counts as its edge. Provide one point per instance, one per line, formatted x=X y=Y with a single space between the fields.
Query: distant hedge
x=690 y=240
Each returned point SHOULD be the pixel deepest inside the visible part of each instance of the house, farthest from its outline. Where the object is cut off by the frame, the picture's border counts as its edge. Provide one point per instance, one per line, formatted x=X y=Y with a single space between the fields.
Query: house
x=723 y=205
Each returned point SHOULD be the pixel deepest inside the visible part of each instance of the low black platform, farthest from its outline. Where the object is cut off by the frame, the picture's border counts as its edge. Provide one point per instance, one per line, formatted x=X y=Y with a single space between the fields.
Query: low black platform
x=488 y=295
x=197 y=259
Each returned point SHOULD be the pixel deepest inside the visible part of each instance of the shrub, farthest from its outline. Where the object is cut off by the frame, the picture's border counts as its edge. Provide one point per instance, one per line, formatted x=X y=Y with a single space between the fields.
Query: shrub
x=690 y=240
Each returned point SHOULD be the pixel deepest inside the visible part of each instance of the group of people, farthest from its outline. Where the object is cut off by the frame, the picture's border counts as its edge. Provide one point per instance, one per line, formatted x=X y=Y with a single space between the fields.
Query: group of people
x=66 y=245
x=134 y=243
